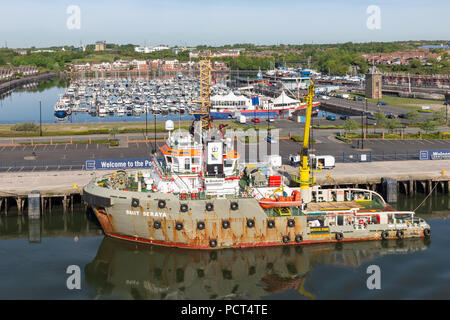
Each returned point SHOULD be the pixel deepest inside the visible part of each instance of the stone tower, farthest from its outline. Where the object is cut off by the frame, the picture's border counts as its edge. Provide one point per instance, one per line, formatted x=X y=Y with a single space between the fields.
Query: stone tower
x=374 y=84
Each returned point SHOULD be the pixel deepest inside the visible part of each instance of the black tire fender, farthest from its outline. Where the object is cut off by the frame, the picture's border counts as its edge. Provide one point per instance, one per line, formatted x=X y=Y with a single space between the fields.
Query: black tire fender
x=184 y=207
x=156 y=224
x=384 y=235
x=339 y=236
x=161 y=204
x=234 y=206
x=250 y=223
x=298 y=238
x=271 y=224
x=286 y=239
x=209 y=206
x=291 y=223
x=179 y=226
x=200 y=225
x=134 y=202
x=213 y=243
x=225 y=224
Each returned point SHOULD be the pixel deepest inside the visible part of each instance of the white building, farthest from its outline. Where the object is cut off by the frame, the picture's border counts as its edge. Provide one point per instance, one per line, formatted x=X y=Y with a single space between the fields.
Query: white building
x=150 y=49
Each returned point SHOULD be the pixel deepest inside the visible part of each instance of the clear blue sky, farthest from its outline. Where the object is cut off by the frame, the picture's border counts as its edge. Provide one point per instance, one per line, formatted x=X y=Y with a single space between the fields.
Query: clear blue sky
x=26 y=23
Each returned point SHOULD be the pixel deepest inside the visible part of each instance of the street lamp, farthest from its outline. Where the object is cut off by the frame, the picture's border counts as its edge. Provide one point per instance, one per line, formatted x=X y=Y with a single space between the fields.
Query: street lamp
x=40 y=119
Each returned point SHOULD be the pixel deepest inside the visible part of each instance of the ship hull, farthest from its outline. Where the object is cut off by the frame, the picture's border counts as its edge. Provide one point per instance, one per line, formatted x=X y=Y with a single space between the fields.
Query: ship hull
x=247 y=226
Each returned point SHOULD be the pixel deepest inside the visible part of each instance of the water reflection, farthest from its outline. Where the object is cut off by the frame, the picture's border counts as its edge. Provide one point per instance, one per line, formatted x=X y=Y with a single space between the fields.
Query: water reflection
x=130 y=271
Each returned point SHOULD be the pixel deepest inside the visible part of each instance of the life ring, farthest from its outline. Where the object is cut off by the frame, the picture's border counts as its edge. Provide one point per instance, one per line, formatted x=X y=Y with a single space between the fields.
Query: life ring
x=400 y=234
x=213 y=243
x=298 y=238
x=135 y=202
x=156 y=224
x=225 y=224
x=200 y=225
x=286 y=239
x=271 y=224
x=291 y=223
x=339 y=236
x=426 y=232
x=209 y=206
x=349 y=219
x=234 y=206
x=384 y=235
x=184 y=207
x=161 y=204
x=250 y=223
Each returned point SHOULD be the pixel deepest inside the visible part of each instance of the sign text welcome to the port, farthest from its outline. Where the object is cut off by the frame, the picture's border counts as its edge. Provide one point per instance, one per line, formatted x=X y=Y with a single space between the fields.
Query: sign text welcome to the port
x=116 y=164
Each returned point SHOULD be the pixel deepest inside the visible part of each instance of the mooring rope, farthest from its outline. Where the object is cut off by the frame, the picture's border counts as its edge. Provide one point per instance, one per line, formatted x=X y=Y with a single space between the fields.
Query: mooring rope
x=426 y=197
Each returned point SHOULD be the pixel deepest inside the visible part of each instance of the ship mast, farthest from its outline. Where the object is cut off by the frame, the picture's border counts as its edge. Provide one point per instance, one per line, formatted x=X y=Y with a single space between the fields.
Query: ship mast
x=205 y=91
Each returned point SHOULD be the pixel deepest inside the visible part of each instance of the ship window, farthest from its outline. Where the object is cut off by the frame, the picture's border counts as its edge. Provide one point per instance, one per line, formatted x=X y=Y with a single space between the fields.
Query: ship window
x=169 y=159
x=228 y=163
x=195 y=160
x=187 y=164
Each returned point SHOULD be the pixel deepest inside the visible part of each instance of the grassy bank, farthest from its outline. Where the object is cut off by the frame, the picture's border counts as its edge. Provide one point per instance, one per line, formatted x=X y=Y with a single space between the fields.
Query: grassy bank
x=76 y=129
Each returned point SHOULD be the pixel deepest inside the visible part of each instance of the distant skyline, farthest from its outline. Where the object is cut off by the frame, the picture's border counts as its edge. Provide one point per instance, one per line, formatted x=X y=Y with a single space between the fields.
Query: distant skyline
x=26 y=23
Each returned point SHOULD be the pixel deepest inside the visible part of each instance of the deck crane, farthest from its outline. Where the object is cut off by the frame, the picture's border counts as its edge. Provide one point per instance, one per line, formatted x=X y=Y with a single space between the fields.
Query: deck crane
x=304 y=178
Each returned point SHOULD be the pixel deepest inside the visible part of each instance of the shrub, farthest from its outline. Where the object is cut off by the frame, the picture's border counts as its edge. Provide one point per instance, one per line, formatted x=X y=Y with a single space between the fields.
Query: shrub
x=26 y=126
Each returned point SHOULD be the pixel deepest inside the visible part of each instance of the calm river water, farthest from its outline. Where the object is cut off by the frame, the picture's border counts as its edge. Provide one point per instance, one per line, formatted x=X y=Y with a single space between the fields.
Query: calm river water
x=35 y=257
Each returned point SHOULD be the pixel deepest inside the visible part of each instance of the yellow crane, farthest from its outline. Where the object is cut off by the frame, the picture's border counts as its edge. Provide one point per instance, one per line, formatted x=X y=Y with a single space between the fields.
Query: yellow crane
x=304 y=178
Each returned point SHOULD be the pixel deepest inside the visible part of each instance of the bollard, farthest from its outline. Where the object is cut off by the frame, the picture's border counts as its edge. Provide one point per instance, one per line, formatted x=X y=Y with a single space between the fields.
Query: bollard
x=34 y=205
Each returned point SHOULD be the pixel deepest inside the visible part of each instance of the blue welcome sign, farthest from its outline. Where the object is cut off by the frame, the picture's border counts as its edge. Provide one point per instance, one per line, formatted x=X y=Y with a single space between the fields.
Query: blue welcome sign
x=434 y=155
x=117 y=164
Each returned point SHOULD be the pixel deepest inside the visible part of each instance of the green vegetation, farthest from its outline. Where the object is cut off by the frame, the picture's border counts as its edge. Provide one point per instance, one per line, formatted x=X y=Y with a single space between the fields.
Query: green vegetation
x=392 y=124
x=428 y=125
x=437 y=135
x=26 y=126
x=408 y=103
x=339 y=58
x=350 y=125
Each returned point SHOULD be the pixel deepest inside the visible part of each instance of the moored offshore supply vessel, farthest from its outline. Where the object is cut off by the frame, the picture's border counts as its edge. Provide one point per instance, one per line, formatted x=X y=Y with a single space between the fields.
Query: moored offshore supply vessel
x=196 y=194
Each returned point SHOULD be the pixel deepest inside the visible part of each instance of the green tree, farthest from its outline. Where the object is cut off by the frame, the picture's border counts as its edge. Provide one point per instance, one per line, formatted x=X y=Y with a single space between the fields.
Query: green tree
x=413 y=116
x=439 y=116
x=428 y=125
x=350 y=125
x=392 y=124
x=380 y=118
x=113 y=132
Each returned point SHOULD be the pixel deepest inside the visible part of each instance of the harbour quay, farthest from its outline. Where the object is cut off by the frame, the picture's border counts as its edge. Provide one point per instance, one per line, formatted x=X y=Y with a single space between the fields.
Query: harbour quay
x=64 y=188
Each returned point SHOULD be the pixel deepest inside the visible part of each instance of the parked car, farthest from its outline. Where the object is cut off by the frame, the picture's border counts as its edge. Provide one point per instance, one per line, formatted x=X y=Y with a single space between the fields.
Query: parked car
x=344 y=117
x=371 y=116
x=331 y=118
x=357 y=98
x=256 y=120
x=389 y=115
x=381 y=103
x=402 y=115
x=270 y=120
